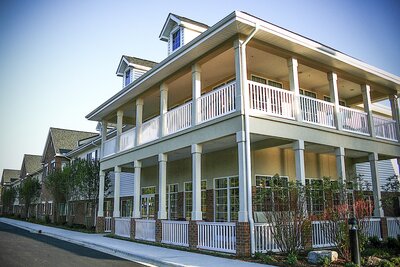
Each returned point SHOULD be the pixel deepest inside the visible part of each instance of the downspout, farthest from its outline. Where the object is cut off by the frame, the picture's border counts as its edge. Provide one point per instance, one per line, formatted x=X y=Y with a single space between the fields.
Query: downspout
x=247 y=140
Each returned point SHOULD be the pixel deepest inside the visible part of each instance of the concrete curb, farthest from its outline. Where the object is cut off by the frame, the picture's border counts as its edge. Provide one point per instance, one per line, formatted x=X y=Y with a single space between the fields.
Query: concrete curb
x=109 y=250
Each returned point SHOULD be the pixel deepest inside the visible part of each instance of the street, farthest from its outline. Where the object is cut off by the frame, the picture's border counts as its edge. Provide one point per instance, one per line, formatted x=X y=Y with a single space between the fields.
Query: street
x=19 y=247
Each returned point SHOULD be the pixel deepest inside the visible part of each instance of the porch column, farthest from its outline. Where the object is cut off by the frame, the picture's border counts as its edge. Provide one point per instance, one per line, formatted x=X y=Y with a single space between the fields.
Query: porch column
x=241 y=73
x=162 y=187
x=294 y=86
x=240 y=140
x=196 y=182
x=394 y=104
x=139 y=119
x=298 y=147
x=340 y=164
x=334 y=94
x=163 y=109
x=117 y=173
x=366 y=93
x=103 y=136
x=120 y=116
x=376 y=184
x=196 y=93
x=100 y=212
x=136 y=190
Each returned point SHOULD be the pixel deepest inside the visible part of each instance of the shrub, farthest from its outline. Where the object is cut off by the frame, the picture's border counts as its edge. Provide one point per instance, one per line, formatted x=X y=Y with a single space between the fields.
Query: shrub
x=350 y=264
x=291 y=259
x=393 y=243
x=47 y=219
x=396 y=261
x=376 y=252
x=325 y=261
x=386 y=263
x=375 y=242
x=265 y=258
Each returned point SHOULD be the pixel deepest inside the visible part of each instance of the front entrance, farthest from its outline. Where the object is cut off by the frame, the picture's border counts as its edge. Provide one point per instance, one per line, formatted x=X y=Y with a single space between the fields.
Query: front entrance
x=148 y=202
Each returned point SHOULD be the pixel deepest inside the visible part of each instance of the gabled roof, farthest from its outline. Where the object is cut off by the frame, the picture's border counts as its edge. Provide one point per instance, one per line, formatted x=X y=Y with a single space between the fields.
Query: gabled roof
x=8 y=175
x=173 y=20
x=31 y=163
x=65 y=140
x=135 y=62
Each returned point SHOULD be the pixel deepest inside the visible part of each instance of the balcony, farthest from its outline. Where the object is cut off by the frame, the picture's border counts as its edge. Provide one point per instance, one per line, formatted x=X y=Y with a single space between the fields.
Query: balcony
x=264 y=99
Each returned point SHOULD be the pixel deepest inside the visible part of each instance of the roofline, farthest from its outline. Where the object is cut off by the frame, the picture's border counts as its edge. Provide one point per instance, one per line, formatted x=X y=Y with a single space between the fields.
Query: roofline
x=79 y=149
x=265 y=26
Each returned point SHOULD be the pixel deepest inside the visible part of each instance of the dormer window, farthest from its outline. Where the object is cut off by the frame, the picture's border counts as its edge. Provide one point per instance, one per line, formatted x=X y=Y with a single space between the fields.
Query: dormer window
x=176 y=39
x=127 y=77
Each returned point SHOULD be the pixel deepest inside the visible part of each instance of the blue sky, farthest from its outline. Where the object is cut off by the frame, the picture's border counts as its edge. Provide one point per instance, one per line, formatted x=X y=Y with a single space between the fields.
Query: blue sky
x=58 y=58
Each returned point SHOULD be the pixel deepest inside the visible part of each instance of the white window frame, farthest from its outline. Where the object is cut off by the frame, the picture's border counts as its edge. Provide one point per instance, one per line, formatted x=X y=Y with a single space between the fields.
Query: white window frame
x=228 y=188
x=177 y=28
x=268 y=187
x=130 y=76
x=184 y=198
x=302 y=91
x=169 y=199
x=267 y=80
x=341 y=101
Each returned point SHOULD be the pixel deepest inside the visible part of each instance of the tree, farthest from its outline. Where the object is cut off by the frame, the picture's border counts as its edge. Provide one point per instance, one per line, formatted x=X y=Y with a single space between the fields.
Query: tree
x=391 y=196
x=8 y=198
x=28 y=192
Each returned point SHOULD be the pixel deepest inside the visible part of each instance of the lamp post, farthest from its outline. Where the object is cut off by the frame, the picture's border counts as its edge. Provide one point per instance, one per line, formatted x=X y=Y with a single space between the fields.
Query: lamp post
x=354 y=245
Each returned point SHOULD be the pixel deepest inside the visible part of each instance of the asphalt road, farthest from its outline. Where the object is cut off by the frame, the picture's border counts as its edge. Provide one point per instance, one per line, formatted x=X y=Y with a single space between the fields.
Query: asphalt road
x=19 y=247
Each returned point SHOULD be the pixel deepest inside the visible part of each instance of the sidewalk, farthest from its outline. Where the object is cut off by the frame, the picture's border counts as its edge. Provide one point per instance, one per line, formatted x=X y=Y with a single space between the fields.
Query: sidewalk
x=141 y=253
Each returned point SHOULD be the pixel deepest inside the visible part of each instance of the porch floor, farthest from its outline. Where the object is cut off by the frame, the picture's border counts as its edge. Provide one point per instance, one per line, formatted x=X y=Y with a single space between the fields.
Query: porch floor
x=130 y=250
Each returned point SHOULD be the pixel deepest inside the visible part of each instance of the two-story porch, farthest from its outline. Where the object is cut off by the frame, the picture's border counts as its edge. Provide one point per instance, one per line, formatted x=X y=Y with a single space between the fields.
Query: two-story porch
x=222 y=109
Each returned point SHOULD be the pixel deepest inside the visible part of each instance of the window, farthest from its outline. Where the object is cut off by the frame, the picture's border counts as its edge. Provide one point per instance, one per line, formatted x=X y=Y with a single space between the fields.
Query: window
x=62 y=209
x=88 y=209
x=271 y=193
x=71 y=209
x=148 y=202
x=127 y=77
x=108 y=208
x=315 y=196
x=328 y=99
x=49 y=208
x=308 y=93
x=188 y=199
x=126 y=208
x=258 y=79
x=53 y=166
x=262 y=80
x=176 y=40
x=172 y=201
x=226 y=199
x=45 y=170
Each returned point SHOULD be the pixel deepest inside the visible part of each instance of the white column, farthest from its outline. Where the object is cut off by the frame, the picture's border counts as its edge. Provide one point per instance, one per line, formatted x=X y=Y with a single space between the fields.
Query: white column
x=103 y=136
x=240 y=140
x=196 y=93
x=196 y=182
x=163 y=109
x=294 y=86
x=162 y=187
x=334 y=94
x=394 y=104
x=139 y=119
x=100 y=212
x=117 y=187
x=136 y=190
x=376 y=184
x=366 y=93
x=241 y=74
x=340 y=164
x=120 y=116
x=298 y=147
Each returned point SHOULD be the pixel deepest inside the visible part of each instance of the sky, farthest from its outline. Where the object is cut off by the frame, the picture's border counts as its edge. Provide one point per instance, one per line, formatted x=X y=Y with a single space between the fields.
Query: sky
x=58 y=58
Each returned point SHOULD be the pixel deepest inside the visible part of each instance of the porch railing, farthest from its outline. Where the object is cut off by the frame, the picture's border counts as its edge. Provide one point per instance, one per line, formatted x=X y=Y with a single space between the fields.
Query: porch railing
x=354 y=120
x=109 y=147
x=393 y=226
x=150 y=130
x=385 y=128
x=371 y=227
x=317 y=111
x=145 y=229
x=321 y=236
x=217 y=103
x=179 y=118
x=127 y=139
x=175 y=232
x=264 y=239
x=217 y=236
x=123 y=227
x=107 y=224
x=271 y=100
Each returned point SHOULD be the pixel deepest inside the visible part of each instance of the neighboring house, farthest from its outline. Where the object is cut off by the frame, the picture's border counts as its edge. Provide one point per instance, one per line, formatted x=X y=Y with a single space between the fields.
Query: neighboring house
x=9 y=176
x=59 y=142
x=203 y=131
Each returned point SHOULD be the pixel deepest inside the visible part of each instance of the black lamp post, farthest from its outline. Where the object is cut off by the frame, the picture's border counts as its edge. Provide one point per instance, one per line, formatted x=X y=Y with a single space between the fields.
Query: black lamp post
x=354 y=245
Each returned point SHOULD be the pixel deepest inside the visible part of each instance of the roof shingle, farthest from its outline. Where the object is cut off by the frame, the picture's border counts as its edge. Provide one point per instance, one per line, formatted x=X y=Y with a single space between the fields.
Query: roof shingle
x=66 y=140
x=9 y=174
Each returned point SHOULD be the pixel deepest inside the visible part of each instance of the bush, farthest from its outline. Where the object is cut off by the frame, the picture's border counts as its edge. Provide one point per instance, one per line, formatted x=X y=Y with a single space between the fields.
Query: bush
x=396 y=261
x=393 y=243
x=265 y=258
x=350 y=264
x=291 y=259
x=376 y=252
x=386 y=263
x=325 y=261
x=47 y=219
x=375 y=242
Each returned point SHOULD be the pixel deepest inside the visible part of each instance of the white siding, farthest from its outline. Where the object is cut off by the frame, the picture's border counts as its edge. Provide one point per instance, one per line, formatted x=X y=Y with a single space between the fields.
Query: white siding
x=385 y=169
x=127 y=181
x=137 y=73
x=189 y=35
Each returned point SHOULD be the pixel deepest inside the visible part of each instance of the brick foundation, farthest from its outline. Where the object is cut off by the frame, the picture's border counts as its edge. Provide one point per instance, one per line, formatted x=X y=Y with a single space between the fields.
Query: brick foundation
x=100 y=225
x=384 y=228
x=133 y=228
x=193 y=234
x=158 y=231
x=243 y=239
